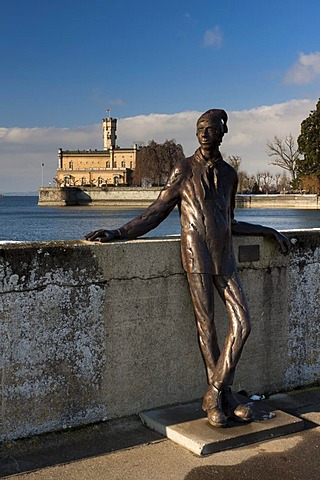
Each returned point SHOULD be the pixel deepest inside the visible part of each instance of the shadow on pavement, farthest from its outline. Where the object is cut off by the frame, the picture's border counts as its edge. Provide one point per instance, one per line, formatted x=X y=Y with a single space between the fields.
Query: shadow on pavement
x=64 y=447
x=299 y=463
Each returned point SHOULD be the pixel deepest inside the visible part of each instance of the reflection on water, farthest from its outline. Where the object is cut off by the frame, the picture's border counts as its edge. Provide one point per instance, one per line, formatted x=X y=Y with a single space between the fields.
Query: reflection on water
x=22 y=220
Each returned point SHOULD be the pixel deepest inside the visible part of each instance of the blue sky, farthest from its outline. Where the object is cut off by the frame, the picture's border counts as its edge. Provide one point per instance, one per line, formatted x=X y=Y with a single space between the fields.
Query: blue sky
x=64 y=63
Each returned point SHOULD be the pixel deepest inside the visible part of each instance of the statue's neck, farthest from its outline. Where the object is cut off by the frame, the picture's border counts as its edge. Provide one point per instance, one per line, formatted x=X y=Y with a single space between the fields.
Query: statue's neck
x=210 y=154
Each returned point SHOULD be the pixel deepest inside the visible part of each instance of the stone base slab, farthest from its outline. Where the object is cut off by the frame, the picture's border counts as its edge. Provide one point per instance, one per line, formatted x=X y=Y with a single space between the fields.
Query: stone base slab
x=187 y=425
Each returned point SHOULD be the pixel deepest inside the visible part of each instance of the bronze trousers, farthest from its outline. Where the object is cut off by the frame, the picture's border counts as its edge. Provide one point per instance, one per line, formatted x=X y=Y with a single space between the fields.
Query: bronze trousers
x=220 y=364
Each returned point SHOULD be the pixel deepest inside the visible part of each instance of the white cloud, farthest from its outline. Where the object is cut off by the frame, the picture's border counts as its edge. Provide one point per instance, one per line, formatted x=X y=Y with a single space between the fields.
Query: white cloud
x=249 y=130
x=159 y=127
x=79 y=137
x=213 y=37
x=23 y=150
x=305 y=70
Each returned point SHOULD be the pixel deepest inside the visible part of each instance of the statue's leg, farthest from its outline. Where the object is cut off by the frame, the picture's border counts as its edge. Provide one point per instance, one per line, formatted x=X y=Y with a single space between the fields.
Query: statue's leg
x=202 y=294
x=232 y=294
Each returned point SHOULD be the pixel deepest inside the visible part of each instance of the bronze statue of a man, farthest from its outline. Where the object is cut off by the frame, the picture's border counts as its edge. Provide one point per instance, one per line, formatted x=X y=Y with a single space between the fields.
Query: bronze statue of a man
x=204 y=187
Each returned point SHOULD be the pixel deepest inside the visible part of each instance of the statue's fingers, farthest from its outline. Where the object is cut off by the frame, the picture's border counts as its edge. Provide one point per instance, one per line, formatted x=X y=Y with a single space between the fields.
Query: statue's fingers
x=88 y=235
x=288 y=246
x=285 y=247
x=94 y=235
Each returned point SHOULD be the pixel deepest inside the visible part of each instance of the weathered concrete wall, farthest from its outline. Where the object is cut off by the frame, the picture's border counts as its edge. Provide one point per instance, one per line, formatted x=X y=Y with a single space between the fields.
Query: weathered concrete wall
x=91 y=332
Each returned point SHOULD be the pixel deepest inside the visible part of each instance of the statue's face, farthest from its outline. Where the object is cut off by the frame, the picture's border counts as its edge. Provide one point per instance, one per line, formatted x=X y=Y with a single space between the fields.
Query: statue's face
x=209 y=133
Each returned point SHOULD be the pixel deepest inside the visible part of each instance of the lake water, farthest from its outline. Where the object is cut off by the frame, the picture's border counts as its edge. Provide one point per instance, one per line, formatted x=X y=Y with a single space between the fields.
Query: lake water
x=22 y=220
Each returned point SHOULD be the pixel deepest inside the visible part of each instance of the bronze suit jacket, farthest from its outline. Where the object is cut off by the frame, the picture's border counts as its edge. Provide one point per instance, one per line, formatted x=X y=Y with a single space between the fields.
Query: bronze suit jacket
x=205 y=194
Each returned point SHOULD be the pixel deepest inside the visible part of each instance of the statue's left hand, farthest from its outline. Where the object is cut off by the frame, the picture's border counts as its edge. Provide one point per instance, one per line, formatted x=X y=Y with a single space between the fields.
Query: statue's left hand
x=102 y=235
x=284 y=243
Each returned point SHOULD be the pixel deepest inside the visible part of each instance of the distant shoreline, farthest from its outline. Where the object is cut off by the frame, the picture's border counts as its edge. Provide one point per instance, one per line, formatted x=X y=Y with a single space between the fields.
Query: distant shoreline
x=140 y=196
x=19 y=194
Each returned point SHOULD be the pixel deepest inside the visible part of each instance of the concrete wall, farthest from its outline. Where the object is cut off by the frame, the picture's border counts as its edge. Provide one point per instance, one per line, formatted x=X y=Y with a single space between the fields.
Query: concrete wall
x=90 y=332
x=112 y=196
x=278 y=201
x=137 y=196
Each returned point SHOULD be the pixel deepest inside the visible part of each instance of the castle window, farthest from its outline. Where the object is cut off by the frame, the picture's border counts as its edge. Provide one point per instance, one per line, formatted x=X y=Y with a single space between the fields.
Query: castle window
x=108 y=164
x=115 y=164
x=123 y=164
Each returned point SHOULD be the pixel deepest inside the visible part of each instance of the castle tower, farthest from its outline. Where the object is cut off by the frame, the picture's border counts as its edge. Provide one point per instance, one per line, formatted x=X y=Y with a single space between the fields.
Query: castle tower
x=109 y=128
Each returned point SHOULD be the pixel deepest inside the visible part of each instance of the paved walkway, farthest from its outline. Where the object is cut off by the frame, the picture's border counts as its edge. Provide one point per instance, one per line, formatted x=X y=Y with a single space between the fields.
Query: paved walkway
x=126 y=450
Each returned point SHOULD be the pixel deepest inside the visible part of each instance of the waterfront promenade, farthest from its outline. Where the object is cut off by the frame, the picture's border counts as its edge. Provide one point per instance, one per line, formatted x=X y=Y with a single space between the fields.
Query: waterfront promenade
x=125 y=449
x=93 y=334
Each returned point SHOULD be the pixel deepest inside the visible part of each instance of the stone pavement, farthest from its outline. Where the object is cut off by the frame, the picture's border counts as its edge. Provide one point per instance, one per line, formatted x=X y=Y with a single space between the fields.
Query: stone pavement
x=125 y=449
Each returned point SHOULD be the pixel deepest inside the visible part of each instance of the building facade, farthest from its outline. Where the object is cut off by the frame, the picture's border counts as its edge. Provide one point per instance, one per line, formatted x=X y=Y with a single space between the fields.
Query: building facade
x=97 y=168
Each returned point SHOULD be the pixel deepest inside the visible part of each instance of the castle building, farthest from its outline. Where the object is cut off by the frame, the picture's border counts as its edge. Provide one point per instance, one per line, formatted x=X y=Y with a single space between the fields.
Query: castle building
x=97 y=168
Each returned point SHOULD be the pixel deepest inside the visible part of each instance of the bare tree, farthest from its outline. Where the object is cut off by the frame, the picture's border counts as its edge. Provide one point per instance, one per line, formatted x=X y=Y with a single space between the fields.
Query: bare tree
x=242 y=181
x=235 y=161
x=284 y=183
x=258 y=181
x=267 y=180
x=285 y=155
x=155 y=161
x=248 y=183
x=277 y=177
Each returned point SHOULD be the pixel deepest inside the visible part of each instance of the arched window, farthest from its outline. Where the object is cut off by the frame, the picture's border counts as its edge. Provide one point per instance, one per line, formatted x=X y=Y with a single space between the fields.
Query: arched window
x=108 y=164
x=123 y=164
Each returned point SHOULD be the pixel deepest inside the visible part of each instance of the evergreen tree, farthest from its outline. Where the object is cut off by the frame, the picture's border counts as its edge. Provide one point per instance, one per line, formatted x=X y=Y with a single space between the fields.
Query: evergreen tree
x=309 y=144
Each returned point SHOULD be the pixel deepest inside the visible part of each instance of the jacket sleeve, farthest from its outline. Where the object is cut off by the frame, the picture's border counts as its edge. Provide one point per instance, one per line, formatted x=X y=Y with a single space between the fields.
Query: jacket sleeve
x=157 y=211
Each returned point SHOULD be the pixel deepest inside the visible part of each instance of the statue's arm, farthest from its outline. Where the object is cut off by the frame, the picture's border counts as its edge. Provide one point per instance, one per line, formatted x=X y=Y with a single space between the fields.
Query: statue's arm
x=150 y=218
x=245 y=228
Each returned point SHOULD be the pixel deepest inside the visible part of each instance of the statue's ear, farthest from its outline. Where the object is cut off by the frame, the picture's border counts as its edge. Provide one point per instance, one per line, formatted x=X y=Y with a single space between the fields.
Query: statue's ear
x=224 y=119
x=224 y=126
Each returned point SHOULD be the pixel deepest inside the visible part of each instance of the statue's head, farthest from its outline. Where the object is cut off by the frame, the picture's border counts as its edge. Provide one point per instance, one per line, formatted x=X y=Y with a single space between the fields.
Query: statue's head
x=215 y=116
x=211 y=127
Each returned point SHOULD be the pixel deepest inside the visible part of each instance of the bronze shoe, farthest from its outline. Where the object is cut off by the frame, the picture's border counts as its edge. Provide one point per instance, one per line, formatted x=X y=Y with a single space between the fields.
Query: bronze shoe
x=233 y=408
x=212 y=406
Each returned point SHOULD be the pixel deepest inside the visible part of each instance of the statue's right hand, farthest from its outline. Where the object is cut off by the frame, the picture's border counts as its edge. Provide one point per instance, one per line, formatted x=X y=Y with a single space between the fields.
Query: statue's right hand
x=102 y=235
